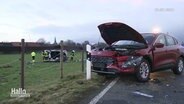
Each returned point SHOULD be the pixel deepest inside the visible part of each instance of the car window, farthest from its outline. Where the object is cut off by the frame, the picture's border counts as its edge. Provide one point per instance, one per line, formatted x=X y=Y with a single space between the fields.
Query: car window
x=176 y=42
x=161 y=39
x=170 y=41
x=148 y=37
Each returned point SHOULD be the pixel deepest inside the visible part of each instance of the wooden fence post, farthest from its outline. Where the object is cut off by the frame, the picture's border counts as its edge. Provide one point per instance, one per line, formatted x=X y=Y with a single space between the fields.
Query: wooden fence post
x=22 y=63
x=61 y=58
x=82 y=60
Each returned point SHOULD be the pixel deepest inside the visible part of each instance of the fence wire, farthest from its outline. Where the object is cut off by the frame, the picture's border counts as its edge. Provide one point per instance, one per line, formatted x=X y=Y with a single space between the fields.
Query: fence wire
x=36 y=74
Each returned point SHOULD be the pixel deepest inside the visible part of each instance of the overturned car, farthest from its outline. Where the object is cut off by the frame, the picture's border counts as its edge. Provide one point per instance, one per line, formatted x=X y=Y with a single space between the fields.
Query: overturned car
x=53 y=56
x=132 y=52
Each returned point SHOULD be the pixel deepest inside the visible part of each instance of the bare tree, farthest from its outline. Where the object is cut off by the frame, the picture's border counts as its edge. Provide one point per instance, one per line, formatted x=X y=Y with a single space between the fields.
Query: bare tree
x=41 y=40
x=100 y=45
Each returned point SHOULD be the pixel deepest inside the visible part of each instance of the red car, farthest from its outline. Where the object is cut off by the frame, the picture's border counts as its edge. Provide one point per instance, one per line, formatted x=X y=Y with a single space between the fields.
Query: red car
x=132 y=52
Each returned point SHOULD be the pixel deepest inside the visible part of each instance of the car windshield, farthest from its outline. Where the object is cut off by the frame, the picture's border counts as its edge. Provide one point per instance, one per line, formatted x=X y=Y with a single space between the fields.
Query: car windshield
x=133 y=44
x=127 y=44
x=147 y=36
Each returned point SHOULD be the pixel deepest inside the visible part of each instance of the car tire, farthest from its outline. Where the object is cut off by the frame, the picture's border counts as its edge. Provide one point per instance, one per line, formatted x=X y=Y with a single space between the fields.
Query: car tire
x=143 y=71
x=179 y=67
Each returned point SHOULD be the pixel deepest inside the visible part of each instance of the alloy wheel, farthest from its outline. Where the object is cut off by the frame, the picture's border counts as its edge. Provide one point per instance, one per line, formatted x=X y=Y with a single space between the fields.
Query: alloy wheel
x=144 y=70
x=180 y=65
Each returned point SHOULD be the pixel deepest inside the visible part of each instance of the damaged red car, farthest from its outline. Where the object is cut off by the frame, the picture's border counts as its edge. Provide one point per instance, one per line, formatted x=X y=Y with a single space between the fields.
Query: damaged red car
x=132 y=52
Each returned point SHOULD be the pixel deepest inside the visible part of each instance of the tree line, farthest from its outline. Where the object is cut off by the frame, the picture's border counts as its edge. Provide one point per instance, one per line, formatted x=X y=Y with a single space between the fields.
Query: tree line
x=41 y=45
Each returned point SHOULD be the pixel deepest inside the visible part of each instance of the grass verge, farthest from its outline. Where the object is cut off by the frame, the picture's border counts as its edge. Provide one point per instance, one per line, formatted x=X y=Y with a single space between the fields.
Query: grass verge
x=65 y=91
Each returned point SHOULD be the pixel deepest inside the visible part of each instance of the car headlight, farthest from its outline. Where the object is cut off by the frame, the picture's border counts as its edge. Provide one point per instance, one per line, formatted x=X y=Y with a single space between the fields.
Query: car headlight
x=132 y=61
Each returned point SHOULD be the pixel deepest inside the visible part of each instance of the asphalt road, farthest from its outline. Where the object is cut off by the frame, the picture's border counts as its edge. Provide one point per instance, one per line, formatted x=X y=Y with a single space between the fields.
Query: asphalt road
x=163 y=88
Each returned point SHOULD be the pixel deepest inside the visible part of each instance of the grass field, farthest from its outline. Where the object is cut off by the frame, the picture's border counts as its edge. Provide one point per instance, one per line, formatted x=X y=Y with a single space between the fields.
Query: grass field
x=41 y=78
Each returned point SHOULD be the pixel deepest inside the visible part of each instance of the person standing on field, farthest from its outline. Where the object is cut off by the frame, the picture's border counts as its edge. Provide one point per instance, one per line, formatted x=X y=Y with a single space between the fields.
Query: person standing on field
x=72 y=55
x=33 y=54
x=43 y=55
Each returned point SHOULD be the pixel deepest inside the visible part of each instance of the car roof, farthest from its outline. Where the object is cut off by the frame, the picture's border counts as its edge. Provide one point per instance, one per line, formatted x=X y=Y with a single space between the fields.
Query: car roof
x=157 y=34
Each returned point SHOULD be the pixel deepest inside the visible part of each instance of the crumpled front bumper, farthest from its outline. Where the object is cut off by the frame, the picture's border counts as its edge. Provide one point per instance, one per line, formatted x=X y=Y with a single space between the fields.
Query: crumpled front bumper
x=105 y=70
x=113 y=69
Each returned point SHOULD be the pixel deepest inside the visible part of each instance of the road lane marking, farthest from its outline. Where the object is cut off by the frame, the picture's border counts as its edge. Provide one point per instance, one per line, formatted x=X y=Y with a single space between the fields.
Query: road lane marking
x=143 y=94
x=102 y=93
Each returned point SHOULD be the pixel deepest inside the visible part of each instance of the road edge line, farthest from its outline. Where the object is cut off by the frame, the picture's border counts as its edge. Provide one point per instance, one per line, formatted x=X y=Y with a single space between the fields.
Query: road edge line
x=102 y=93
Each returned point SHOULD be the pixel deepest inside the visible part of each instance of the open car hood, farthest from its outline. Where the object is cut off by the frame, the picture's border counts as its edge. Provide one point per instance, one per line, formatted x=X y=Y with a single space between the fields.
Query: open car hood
x=115 y=31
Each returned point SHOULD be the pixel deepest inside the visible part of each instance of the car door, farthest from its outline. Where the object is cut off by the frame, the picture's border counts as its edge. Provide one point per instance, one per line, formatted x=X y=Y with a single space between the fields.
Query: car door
x=172 y=49
x=160 y=54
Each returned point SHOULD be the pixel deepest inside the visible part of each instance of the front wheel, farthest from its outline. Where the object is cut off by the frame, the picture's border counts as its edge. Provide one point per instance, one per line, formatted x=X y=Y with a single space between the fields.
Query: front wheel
x=143 y=71
x=178 y=69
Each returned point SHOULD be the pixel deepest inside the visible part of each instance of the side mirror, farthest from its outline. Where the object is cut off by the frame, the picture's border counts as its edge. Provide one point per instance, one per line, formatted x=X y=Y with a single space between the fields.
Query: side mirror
x=159 y=45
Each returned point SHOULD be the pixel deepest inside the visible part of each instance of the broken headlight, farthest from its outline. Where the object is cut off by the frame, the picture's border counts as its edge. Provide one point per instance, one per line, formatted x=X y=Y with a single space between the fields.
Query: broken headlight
x=132 y=61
